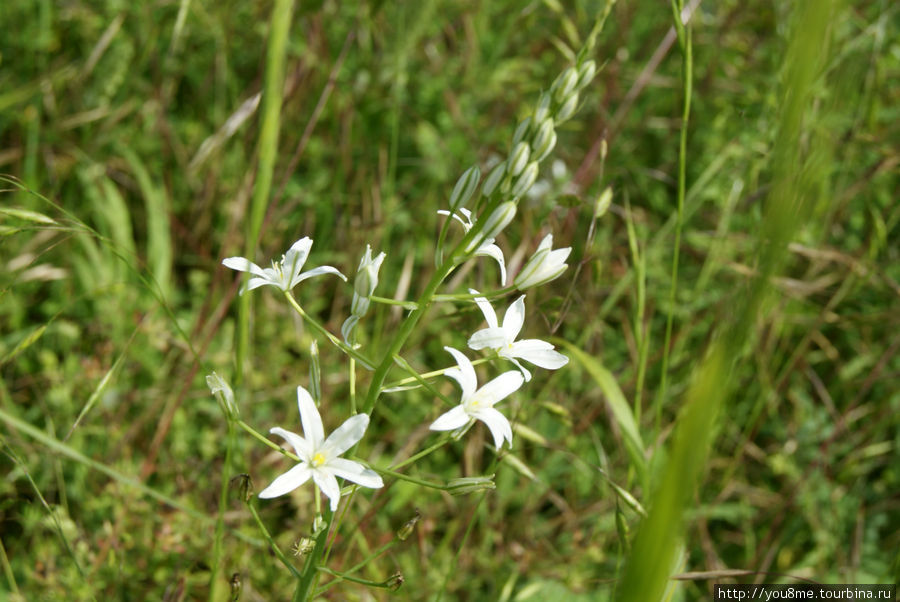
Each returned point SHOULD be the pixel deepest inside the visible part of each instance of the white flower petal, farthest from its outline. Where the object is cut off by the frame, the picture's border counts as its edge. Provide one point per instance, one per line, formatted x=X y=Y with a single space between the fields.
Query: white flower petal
x=356 y=472
x=488 y=338
x=501 y=387
x=310 y=419
x=296 y=256
x=287 y=482
x=257 y=282
x=490 y=316
x=451 y=420
x=346 y=436
x=492 y=250
x=521 y=368
x=301 y=446
x=497 y=424
x=348 y=327
x=329 y=486
x=540 y=353
x=514 y=319
x=325 y=269
x=242 y=264
x=465 y=376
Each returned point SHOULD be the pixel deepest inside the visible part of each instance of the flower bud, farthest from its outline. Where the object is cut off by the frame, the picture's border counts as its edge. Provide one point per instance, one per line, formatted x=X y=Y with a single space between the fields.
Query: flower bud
x=565 y=84
x=586 y=73
x=495 y=223
x=466 y=485
x=545 y=265
x=542 y=137
x=603 y=202
x=568 y=108
x=543 y=108
x=367 y=273
x=521 y=130
x=224 y=395
x=464 y=188
x=493 y=179
x=518 y=159
x=315 y=372
x=525 y=180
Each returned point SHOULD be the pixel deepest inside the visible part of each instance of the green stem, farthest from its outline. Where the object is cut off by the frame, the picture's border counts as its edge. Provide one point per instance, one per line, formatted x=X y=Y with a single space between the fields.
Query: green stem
x=346 y=577
x=214 y=585
x=7 y=570
x=687 y=70
x=268 y=151
x=357 y=566
x=423 y=453
x=262 y=438
x=432 y=374
x=403 y=477
x=324 y=332
x=278 y=553
x=386 y=301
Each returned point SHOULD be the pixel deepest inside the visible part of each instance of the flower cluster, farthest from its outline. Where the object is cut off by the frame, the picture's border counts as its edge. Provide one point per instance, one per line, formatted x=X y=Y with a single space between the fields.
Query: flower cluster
x=319 y=458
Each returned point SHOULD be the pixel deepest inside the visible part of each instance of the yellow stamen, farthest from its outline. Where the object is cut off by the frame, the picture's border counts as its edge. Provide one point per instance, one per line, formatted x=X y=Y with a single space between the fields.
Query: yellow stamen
x=318 y=460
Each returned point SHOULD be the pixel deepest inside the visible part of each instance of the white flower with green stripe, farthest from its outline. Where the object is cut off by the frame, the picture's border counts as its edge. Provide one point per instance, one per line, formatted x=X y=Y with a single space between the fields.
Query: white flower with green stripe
x=478 y=404
x=284 y=274
x=320 y=457
x=502 y=339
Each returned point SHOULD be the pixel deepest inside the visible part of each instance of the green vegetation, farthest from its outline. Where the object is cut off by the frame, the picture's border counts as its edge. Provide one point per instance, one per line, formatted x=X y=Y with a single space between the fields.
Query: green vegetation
x=731 y=319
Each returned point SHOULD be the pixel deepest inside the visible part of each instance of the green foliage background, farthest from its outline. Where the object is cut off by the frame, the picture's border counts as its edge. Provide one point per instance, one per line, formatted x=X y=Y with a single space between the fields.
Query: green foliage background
x=114 y=305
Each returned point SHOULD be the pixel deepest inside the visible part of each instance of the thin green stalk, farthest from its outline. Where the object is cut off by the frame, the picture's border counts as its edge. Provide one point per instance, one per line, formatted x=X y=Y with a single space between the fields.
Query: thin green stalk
x=386 y=301
x=7 y=570
x=366 y=362
x=268 y=150
x=380 y=584
x=260 y=437
x=404 y=477
x=352 y=386
x=215 y=587
x=687 y=74
x=432 y=374
x=422 y=453
x=357 y=566
x=268 y=537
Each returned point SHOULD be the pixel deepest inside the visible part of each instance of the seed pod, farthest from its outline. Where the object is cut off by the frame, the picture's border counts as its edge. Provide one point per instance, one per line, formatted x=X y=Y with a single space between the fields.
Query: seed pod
x=518 y=159
x=464 y=188
x=603 y=202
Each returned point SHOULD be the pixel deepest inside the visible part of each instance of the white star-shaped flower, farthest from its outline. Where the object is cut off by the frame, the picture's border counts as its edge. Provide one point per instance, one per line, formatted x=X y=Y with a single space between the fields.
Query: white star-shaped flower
x=320 y=457
x=486 y=248
x=502 y=339
x=478 y=404
x=284 y=274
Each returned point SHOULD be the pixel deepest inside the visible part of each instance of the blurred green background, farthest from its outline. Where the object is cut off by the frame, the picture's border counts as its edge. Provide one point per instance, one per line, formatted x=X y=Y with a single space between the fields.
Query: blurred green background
x=129 y=132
